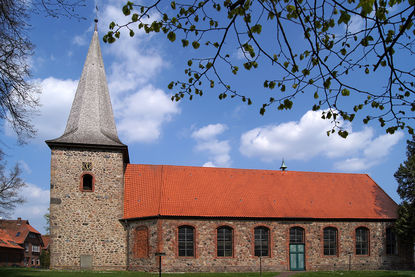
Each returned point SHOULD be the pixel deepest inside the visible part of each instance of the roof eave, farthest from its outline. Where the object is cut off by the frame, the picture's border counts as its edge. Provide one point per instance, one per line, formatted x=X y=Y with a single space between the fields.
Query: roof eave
x=123 y=148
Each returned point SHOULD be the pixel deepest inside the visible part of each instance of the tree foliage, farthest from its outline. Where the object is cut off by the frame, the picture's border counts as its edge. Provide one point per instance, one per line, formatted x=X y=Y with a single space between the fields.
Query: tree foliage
x=10 y=186
x=405 y=176
x=330 y=49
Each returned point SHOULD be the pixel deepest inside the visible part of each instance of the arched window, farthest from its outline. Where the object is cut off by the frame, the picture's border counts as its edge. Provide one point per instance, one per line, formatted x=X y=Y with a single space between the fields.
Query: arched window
x=225 y=241
x=87 y=182
x=330 y=241
x=186 y=241
x=362 y=241
x=140 y=249
x=261 y=241
x=296 y=235
x=391 y=242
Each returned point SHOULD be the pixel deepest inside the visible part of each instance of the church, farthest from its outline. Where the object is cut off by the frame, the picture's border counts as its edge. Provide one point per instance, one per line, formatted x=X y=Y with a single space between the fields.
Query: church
x=108 y=214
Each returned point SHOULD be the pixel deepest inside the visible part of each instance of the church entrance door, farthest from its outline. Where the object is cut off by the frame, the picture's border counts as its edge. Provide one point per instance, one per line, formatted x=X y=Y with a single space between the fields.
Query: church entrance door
x=297 y=256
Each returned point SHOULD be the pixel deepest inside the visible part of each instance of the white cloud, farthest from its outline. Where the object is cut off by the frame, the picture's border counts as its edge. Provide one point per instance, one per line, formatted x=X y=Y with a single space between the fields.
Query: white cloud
x=218 y=150
x=80 y=40
x=356 y=24
x=141 y=115
x=209 y=132
x=308 y=139
x=25 y=166
x=55 y=103
x=135 y=62
x=35 y=207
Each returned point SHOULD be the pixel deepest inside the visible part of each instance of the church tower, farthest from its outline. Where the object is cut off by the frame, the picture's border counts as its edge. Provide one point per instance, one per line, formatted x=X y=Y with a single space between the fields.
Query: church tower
x=87 y=178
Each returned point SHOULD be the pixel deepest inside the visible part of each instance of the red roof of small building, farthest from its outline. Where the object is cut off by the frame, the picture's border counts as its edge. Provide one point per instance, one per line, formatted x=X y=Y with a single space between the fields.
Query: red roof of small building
x=7 y=242
x=17 y=229
x=163 y=190
x=46 y=241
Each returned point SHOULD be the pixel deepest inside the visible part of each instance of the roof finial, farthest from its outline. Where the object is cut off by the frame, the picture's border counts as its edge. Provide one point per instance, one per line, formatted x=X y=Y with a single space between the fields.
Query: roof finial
x=283 y=166
x=96 y=18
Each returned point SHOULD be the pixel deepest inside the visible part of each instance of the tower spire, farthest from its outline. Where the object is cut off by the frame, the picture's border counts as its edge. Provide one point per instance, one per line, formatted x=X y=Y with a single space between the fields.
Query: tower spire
x=91 y=120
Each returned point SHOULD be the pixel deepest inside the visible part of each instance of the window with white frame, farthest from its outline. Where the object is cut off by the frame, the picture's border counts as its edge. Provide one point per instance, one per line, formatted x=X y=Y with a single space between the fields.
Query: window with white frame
x=36 y=248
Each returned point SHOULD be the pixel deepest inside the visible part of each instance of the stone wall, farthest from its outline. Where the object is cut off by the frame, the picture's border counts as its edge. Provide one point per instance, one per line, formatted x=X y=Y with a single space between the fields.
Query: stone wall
x=206 y=259
x=85 y=224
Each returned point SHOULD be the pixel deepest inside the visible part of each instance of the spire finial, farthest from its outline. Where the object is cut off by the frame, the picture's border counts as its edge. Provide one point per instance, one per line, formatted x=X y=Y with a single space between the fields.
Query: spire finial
x=96 y=18
x=283 y=166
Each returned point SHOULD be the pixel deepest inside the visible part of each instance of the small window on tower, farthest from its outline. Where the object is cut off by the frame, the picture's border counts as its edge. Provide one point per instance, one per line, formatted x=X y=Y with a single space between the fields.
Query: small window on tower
x=87 y=182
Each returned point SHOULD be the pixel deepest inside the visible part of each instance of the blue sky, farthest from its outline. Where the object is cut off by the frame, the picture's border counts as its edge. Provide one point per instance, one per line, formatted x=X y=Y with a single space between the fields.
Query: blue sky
x=201 y=132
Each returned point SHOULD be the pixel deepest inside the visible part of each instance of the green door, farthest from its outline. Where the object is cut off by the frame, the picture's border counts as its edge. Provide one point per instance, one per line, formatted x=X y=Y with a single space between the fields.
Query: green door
x=297 y=256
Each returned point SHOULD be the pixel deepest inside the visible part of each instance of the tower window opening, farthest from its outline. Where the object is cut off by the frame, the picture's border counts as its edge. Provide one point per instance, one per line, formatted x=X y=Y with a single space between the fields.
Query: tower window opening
x=87 y=182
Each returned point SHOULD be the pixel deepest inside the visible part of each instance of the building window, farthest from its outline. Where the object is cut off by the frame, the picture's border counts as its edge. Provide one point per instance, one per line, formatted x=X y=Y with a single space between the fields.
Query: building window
x=87 y=182
x=186 y=241
x=261 y=241
x=391 y=242
x=362 y=241
x=36 y=248
x=225 y=241
x=140 y=249
x=26 y=246
x=330 y=241
x=296 y=235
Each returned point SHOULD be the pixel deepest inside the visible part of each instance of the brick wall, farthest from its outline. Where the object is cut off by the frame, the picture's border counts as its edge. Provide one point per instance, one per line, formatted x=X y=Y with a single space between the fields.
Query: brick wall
x=87 y=223
x=244 y=259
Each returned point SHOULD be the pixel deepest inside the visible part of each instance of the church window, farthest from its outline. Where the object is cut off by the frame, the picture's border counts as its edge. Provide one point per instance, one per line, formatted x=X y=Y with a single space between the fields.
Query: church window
x=296 y=235
x=225 y=241
x=87 y=182
x=186 y=241
x=362 y=241
x=261 y=235
x=330 y=241
x=391 y=242
x=140 y=246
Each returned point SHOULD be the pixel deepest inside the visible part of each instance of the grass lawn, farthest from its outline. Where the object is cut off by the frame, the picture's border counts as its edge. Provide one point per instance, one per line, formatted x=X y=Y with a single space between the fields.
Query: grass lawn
x=358 y=274
x=26 y=272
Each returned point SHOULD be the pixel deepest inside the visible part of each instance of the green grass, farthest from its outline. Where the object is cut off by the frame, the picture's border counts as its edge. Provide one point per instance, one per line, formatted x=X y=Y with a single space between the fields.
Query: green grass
x=27 y=272
x=358 y=274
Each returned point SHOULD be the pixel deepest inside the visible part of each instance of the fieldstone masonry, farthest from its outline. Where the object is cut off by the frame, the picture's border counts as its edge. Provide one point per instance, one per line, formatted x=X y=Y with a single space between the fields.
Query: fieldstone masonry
x=244 y=260
x=87 y=223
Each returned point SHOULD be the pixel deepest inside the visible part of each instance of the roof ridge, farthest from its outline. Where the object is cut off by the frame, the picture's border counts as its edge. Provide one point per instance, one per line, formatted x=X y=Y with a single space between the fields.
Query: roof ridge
x=250 y=169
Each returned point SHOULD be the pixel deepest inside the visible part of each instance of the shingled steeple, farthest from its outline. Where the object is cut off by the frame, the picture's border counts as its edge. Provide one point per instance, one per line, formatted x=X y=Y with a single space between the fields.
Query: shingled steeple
x=91 y=120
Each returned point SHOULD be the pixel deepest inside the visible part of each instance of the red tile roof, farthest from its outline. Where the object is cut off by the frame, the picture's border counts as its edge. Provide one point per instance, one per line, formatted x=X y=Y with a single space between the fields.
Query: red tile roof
x=17 y=229
x=7 y=242
x=46 y=241
x=152 y=190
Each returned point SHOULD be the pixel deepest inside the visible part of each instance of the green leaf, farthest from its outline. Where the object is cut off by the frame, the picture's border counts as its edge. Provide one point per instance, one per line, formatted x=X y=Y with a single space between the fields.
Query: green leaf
x=131 y=33
x=344 y=18
x=171 y=36
x=134 y=18
x=343 y=133
x=345 y=92
x=195 y=44
x=173 y=5
x=185 y=42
